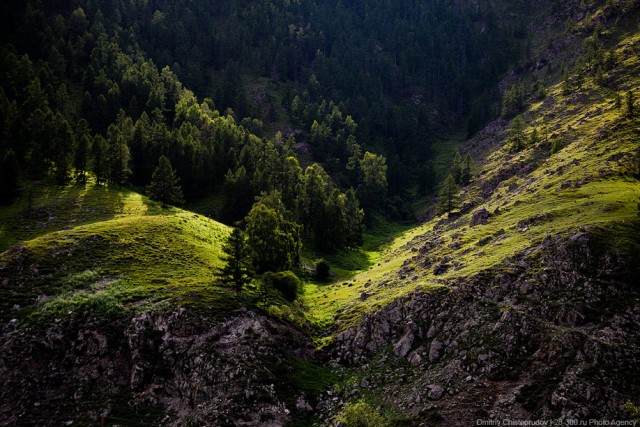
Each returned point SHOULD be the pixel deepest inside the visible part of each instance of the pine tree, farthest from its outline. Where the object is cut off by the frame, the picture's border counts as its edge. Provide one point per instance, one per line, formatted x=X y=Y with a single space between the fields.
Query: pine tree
x=62 y=142
x=99 y=158
x=599 y=77
x=456 y=167
x=566 y=82
x=81 y=156
x=465 y=172
x=534 y=137
x=513 y=100
x=118 y=156
x=448 y=199
x=517 y=137
x=373 y=188
x=354 y=216
x=165 y=185
x=630 y=104
x=237 y=271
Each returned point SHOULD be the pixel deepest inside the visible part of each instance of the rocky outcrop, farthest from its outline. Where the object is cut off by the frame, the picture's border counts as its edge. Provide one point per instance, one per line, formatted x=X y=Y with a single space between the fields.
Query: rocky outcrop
x=549 y=334
x=160 y=369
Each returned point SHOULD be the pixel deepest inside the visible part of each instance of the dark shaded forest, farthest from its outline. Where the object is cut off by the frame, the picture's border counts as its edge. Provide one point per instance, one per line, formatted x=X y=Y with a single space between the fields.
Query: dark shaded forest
x=328 y=108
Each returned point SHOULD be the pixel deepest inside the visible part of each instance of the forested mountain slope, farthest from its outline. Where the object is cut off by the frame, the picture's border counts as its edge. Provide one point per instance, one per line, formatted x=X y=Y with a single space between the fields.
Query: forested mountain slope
x=516 y=296
x=341 y=79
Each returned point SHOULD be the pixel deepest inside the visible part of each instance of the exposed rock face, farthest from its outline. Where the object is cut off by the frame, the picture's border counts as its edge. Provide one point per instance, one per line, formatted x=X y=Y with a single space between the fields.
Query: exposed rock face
x=207 y=371
x=552 y=333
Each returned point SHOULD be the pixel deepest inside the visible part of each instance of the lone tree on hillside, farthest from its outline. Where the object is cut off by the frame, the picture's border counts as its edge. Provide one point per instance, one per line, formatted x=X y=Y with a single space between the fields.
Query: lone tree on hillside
x=517 y=137
x=237 y=271
x=456 y=167
x=448 y=198
x=165 y=185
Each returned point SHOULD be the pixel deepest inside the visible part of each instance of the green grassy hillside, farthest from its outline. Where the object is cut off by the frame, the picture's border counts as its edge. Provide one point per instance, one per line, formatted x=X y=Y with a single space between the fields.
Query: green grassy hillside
x=580 y=173
x=104 y=251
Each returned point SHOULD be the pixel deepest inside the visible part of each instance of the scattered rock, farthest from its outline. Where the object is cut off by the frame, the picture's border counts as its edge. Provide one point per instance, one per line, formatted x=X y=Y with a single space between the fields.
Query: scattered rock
x=302 y=405
x=415 y=359
x=484 y=241
x=435 y=392
x=481 y=216
x=441 y=267
x=435 y=351
x=403 y=346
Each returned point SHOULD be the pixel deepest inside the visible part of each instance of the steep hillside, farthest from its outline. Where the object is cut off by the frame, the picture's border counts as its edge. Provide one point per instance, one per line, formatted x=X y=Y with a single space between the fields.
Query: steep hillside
x=110 y=314
x=579 y=172
x=522 y=303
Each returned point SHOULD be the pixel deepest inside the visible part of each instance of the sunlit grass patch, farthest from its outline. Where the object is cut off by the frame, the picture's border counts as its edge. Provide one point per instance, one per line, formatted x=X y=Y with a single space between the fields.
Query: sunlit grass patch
x=44 y=207
x=120 y=253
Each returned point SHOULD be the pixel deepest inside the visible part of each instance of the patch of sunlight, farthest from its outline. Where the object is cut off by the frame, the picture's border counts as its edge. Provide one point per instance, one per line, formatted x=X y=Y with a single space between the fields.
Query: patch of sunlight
x=134 y=205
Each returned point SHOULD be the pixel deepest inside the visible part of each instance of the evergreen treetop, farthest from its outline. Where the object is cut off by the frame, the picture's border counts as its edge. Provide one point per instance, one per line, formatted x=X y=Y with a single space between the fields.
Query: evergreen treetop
x=238 y=270
x=165 y=184
x=448 y=199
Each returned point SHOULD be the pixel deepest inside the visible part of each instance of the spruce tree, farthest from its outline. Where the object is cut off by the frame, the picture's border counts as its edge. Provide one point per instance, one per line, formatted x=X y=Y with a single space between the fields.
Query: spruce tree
x=81 y=156
x=465 y=172
x=99 y=158
x=566 y=80
x=517 y=137
x=165 y=185
x=456 y=167
x=630 y=104
x=448 y=199
x=237 y=271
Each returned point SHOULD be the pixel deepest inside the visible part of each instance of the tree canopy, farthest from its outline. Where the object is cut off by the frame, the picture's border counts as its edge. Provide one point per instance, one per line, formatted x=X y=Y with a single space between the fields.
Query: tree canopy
x=275 y=240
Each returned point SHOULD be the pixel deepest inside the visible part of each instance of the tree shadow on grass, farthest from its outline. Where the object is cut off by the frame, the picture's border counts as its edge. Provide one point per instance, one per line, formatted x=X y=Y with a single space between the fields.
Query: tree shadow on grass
x=349 y=261
x=44 y=207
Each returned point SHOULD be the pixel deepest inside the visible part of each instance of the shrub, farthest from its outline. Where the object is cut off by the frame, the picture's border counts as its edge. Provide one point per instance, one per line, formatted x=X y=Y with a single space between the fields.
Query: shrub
x=360 y=414
x=322 y=269
x=287 y=283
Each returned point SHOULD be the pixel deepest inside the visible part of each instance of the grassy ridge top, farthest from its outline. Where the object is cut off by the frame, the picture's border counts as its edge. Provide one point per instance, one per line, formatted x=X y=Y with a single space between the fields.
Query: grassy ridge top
x=579 y=173
x=105 y=251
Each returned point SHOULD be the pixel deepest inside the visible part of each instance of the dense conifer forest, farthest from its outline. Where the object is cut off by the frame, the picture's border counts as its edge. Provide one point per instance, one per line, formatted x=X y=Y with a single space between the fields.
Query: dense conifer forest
x=244 y=97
